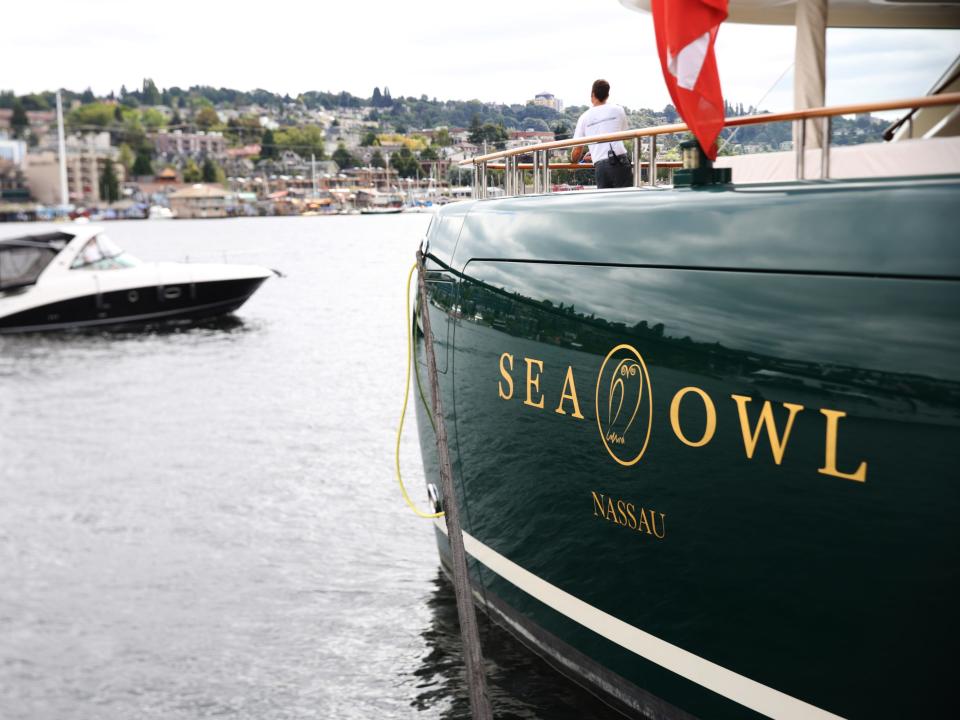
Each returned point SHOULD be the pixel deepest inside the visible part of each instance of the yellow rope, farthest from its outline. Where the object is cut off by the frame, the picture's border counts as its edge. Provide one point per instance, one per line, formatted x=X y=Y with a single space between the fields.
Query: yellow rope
x=403 y=413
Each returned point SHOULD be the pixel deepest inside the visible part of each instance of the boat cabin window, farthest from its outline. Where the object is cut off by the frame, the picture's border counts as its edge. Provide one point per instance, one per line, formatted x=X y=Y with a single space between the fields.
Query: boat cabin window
x=101 y=253
x=22 y=261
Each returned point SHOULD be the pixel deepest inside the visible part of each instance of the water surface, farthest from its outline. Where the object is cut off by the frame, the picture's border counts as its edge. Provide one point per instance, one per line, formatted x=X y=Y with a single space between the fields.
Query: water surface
x=205 y=522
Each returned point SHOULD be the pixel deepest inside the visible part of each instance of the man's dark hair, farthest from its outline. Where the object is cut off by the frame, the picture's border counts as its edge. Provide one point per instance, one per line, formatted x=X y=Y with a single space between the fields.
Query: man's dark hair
x=601 y=90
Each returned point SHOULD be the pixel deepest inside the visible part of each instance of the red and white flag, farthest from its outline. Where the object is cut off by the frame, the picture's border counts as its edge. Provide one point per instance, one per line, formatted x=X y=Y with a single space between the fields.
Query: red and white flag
x=686 y=31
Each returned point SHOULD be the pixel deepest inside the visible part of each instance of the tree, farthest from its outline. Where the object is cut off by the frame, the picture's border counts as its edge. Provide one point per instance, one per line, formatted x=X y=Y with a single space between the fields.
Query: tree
x=532 y=123
x=429 y=153
x=19 y=122
x=376 y=160
x=561 y=131
x=109 y=185
x=150 y=94
x=442 y=138
x=404 y=162
x=142 y=165
x=343 y=158
x=133 y=133
x=400 y=129
x=475 y=126
x=206 y=118
x=153 y=119
x=493 y=134
x=96 y=114
x=35 y=101
x=377 y=98
x=191 y=172
x=88 y=96
x=268 y=146
x=126 y=157
x=670 y=114
x=212 y=173
x=244 y=129
x=304 y=140
x=369 y=139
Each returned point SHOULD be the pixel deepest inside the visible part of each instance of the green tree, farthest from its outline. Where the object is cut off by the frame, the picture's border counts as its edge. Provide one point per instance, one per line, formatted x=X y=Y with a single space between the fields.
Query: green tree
x=35 y=101
x=376 y=160
x=495 y=135
x=93 y=115
x=244 y=129
x=133 y=133
x=150 y=94
x=429 y=153
x=304 y=140
x=343 y=158
x=442 y=138
x=212 y=173
x=369 y=139
x=191 y=171
x=268 y=145
x=126 y=157
x=405 y=163
x=153 y=119
x=109 y=185
x=19 y=122
x=142 y=165
x=206 y=118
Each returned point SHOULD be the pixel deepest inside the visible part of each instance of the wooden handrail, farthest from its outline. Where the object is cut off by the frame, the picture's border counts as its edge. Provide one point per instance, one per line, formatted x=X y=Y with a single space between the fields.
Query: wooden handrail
x=807 y=114
x=586 y=166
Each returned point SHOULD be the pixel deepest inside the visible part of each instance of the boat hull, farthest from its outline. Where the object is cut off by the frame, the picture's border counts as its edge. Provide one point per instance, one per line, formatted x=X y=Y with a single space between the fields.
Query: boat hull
x=704 y=441
x=143 y=305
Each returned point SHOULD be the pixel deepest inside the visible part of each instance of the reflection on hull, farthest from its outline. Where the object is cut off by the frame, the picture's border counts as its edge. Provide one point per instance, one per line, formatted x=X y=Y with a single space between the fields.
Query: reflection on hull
x=750 y=510
x=521 y=685
x=136 y=307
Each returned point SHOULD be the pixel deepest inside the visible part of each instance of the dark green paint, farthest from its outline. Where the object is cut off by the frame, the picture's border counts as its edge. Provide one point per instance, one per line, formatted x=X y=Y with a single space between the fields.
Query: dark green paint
x=836 y=295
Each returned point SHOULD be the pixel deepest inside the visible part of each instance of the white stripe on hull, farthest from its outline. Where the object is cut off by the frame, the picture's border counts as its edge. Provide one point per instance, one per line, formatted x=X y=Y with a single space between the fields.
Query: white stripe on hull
x=736 y=687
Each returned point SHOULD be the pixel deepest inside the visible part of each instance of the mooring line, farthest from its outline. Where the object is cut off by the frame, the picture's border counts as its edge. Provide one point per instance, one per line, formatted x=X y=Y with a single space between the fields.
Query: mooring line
x=403 y=413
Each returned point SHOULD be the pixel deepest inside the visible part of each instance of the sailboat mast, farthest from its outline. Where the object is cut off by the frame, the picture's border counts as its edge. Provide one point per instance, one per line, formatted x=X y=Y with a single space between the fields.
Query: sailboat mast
x=62 y=149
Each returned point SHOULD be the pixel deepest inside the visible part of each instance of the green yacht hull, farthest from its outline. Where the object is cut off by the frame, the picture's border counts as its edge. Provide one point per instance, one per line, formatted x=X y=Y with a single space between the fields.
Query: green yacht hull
x=705 y=441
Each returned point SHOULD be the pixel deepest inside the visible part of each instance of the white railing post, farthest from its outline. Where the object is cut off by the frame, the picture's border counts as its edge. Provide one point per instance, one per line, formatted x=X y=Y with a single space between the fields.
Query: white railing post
x=652 y=166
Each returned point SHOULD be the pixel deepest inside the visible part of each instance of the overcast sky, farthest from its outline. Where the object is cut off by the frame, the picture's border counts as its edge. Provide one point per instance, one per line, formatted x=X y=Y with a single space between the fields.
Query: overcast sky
x=498 y=50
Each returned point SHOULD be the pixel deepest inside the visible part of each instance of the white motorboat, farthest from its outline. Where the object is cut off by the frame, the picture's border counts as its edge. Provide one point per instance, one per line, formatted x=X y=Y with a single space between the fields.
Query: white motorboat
x=59 y=279
x=159 y=212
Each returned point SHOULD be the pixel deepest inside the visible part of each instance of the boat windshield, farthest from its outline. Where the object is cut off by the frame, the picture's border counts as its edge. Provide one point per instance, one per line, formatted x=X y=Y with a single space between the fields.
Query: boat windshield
x=22 y=260
x=101 y=253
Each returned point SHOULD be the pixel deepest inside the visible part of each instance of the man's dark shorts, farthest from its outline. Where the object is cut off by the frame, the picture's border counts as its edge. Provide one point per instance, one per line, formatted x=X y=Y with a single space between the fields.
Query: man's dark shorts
x=614 y=175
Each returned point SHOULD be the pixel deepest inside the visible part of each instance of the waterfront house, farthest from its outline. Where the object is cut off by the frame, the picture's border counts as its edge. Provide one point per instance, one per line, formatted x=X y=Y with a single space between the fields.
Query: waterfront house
x=199 y=201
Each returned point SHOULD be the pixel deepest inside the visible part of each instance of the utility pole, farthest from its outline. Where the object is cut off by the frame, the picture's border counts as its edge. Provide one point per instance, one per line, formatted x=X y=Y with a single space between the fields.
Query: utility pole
x=62 y=149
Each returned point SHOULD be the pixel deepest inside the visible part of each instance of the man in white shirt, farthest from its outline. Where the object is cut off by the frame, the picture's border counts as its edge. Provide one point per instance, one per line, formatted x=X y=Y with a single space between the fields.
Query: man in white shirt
x=609 y=158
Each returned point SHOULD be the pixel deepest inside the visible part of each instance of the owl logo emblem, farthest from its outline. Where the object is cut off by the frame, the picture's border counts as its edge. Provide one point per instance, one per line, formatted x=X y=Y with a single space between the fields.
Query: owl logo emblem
x=624 y=404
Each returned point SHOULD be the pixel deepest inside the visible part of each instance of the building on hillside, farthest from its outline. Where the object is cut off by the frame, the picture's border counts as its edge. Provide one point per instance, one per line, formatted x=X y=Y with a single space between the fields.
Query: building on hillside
x=523 y=138
x=199 y=201
x=549 y=100
x=14 y=151
x=13 y=182
x=170 y=145
x=87 y=158
x=247 y=151
x=41 y=121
